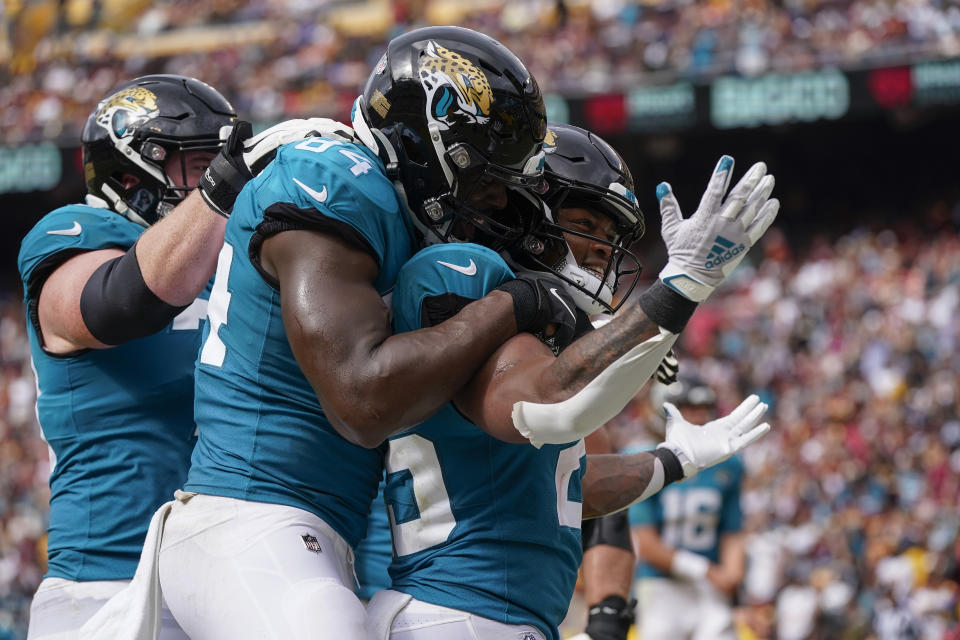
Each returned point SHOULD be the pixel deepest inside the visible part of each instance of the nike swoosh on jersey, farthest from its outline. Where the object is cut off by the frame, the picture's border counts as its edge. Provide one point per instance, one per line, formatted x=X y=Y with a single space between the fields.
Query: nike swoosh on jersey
x=75 y=230
x=553 y=292
x=469 y=270
x=319 y=196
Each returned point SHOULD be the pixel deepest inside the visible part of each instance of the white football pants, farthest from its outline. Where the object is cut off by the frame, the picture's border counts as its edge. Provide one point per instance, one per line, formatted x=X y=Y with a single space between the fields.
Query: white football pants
x=671 y=609
x=397 y=616
x=60 y=607
x=255 y=571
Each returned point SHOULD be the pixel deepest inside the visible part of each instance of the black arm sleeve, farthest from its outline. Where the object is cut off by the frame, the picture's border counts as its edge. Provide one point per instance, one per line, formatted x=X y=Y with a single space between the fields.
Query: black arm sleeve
x=117 y=306
x=612 y=529
x=666 y=307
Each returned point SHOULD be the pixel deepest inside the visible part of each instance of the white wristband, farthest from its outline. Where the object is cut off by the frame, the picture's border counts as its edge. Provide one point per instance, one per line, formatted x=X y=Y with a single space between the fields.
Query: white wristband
x=688 y=565
x=598 y=402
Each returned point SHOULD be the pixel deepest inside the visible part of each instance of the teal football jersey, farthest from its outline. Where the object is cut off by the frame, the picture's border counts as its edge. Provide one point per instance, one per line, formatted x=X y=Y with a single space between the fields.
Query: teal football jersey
x=694 y=514
x=478 y=524
x=263 y=436
x=372 y=556
x=119 y=422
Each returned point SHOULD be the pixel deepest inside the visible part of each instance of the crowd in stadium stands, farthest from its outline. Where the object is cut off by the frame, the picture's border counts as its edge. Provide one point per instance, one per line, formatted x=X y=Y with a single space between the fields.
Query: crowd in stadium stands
x=852 y=503
x=311 y=58
x=24 y=468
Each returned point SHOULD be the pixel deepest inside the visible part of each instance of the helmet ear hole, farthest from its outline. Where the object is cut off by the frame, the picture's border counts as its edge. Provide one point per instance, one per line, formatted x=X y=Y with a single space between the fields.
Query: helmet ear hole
x=411 y=148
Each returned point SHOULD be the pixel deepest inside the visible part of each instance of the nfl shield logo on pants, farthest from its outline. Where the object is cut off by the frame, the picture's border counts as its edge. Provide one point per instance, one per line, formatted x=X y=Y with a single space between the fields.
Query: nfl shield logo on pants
x=311 y=543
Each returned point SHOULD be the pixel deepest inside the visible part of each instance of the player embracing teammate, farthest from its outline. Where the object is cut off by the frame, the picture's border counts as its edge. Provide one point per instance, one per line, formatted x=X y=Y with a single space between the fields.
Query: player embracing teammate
x=305 y=392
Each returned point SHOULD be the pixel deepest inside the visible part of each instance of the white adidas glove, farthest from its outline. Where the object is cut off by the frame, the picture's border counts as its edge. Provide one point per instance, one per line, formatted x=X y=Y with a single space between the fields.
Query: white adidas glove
x=259 y=150
x=704 y=249
x=698 y=447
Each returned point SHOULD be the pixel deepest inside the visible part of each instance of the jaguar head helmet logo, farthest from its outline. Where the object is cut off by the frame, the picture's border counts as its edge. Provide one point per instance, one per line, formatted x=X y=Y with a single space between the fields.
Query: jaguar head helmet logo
x=550 y=141
x=457 y=90
x=122 y=112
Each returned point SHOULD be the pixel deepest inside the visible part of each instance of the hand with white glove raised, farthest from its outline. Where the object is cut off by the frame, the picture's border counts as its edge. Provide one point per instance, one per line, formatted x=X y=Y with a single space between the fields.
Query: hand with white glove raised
x=704 y=249
x=698 y=447
x=243 y=155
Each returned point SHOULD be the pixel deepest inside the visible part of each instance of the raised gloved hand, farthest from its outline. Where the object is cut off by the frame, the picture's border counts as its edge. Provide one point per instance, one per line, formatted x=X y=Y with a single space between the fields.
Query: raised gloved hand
x=668 y=369
x=541 y=304
x=704 y=249
x=243 y=155
x=698 y=447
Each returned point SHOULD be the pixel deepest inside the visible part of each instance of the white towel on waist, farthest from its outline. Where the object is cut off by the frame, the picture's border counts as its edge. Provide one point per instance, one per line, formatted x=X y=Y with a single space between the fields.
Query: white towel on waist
x=134 y=613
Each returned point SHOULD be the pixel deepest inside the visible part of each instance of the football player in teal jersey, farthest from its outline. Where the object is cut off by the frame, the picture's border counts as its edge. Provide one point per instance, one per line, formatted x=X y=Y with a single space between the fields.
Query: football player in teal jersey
x=689 y=540
x=485 y=527
x=299 y=378
x=115 y=292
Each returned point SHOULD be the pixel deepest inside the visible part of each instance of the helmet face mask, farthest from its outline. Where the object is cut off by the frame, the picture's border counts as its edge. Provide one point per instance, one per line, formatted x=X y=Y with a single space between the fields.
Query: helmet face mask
x=141 y=142
x=497 y=228
x=453 y=110
x=586 y=178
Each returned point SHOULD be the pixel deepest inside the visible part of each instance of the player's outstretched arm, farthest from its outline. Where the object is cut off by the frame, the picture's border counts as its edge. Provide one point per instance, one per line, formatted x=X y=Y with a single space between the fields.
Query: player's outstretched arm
x=370 y=382
x=728 y=574
x=593 y=379
x=579 y=390
x=106 y=297
x=102 y=298
x=178 y=255
x=686 y=565
x=614 y=482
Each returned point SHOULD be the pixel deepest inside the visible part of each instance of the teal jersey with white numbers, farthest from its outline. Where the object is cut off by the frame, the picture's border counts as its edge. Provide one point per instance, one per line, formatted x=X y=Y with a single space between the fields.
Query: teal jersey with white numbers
x=694 y=514
x=372 y=555
x=119 y=421
x=478 y=524
x=263 y=436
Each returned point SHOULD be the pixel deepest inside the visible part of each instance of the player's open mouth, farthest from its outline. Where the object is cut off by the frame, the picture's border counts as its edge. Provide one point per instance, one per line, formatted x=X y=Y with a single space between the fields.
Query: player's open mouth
x=595 y=272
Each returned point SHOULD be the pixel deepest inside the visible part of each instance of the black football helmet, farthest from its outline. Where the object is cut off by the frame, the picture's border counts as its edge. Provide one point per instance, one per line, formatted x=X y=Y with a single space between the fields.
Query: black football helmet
x=690 y=391
x=583 y=171
x=135 y=129
x=451 y=111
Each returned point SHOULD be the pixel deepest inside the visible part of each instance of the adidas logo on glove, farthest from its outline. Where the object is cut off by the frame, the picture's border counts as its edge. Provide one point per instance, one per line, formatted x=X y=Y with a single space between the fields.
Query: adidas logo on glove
x=722 y=251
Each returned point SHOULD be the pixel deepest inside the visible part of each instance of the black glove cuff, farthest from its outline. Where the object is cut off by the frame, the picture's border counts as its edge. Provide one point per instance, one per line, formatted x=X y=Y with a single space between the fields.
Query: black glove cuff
x=610 y=618
x=672 y=469
x=526 y=304
x=666 y=307
x=222 y=183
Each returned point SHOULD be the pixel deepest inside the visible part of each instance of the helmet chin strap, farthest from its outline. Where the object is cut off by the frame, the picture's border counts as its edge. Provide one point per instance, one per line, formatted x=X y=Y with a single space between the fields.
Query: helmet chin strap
x=437 y=141
x=120 y=206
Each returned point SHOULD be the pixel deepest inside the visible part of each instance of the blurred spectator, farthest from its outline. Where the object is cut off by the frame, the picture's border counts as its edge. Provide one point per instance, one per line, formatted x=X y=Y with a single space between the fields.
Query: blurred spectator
x=689 y=537
x=24 y=467
x=291 y=58
x=851 y=503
